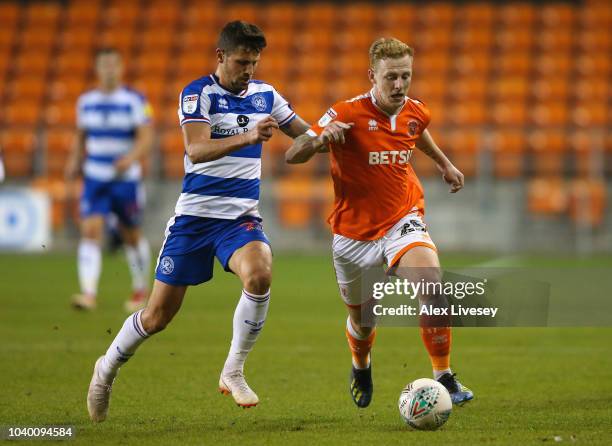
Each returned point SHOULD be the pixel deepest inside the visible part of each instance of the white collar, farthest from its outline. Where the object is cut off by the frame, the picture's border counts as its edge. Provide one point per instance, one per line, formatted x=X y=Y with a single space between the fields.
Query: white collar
x=373 y=98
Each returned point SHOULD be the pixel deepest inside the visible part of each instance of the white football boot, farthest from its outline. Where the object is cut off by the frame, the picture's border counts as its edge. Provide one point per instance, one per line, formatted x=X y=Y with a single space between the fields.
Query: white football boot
x=98 y=396
x=234 y=383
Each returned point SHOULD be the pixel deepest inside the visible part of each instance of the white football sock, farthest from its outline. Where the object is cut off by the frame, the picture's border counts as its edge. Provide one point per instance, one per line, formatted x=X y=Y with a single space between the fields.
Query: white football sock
x=131 y=335
x=89 y=266
x=249 y=319
x=438 y=373
x=354 y=334
x=139 y=261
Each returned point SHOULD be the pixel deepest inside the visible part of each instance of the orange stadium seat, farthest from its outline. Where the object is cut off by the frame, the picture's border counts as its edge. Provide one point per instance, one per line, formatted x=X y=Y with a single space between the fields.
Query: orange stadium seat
x=319 y=15
x=470 y=89
x=518 y=64
x=475 y=14
x=513 y=40
x=310 y=65
x=591 y=114
x=278 y=40
x=18 y=150
x=64 y=198
x=83 y=13
x=122 y=14
x=15 y=114
x=58 y=145
x=275 y=15
x=551 y=65
x=428 y=87
x=153 y=63
x=31 y=87
x=354 y=43
x=508 y=148
x=194 y=16
x=594 y=64
x=509 y=113
x=465 y=145
x=512 y=87
x=172 y=149
x=32 y=63
x=8 y=36
x=433 y=63
x=590 y=39
x=587 y=201
x=548 y=89
x=557 y=15
x=588 y=151
x=61 y=113
x=555 y=40
x=198 y=43
x=516 y=14
x=76 y=62
x=473 y=39
x=295 y=195
x=470 y=64
x=350 y=65
x=393 y=15
x=359 y=15
x=432 y=39
x=154 y=89
x=547 y=196
x=314 y=43
x=9 y=14
x=438 y=111
x=193 y=66
x=467 y=113
x=162 y=14
x=38 y=37
x=121 y=39
x=549 y=113
x=436 y=14
x=67 y=88
x=81 y=39
x=155 y=39
x=586 y=89
x=548 y=149
x=42 y=13
x=240 y=11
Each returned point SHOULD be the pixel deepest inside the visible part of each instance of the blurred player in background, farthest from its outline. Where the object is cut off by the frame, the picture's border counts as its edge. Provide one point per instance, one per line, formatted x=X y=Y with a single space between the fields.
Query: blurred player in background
x=113 y=134
x=225 y=118
x=379 y=203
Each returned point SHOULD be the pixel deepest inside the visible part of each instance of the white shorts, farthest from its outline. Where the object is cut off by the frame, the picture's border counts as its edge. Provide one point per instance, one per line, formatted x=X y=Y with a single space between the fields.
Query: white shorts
x=352 y=258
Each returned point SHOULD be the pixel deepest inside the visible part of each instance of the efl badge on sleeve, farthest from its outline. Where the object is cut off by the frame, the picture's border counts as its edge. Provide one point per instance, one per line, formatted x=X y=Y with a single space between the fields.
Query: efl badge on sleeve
x=190 y=103
x=412 y=128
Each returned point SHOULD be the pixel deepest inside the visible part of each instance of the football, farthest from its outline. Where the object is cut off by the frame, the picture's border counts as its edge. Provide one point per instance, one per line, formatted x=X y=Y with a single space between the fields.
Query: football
x=425 y=404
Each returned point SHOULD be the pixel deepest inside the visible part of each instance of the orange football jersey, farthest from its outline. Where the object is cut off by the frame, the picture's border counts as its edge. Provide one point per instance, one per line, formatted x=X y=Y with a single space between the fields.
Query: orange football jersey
x=374 y=183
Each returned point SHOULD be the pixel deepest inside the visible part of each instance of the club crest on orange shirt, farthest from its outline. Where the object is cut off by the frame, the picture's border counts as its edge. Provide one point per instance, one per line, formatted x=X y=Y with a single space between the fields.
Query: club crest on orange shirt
x=412 y=127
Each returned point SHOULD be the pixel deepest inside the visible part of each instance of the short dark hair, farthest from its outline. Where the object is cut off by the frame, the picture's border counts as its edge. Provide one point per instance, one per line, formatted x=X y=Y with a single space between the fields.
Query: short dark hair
x=238 y=34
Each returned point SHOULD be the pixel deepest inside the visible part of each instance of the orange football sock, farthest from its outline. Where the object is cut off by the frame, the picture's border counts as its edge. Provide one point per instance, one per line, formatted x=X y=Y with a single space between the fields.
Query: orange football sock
x=437 y=341
x=360 y=349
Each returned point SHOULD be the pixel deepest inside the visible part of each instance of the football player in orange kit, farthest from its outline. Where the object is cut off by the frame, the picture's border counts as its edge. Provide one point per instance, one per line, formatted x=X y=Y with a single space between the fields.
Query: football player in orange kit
x=379 y=204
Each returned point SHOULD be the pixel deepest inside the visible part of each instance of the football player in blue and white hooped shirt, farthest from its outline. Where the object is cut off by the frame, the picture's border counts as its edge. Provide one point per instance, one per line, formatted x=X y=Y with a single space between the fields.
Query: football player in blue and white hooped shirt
x=113 y=134
x=225 y=118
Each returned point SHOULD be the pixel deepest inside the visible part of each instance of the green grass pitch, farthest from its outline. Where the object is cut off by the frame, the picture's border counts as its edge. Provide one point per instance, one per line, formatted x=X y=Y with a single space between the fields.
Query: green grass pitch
x=531 y=385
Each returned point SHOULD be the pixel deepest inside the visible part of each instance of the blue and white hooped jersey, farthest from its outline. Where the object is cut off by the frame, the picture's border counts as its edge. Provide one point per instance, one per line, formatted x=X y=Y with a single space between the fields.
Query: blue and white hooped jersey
x=228 y=187
x=110 y=121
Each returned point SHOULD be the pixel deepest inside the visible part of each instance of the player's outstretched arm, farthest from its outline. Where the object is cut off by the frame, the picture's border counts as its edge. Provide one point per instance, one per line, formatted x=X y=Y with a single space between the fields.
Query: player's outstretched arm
x=201 y=148
x=305 y=146
x=451 y=175
x=76 y=155
x=142 y=146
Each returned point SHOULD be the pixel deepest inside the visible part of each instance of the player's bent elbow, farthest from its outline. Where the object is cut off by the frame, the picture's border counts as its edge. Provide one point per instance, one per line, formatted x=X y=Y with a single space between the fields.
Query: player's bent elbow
x=196 y=154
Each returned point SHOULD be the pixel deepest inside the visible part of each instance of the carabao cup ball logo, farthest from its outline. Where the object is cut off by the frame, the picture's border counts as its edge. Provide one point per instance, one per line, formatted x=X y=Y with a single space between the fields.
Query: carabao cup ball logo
x=259 y=102
x=166 y=265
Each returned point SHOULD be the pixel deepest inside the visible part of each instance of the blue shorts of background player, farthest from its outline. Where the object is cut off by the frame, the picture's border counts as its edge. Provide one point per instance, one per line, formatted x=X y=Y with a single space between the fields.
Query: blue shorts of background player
x=122 y=198
x=187 y=256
